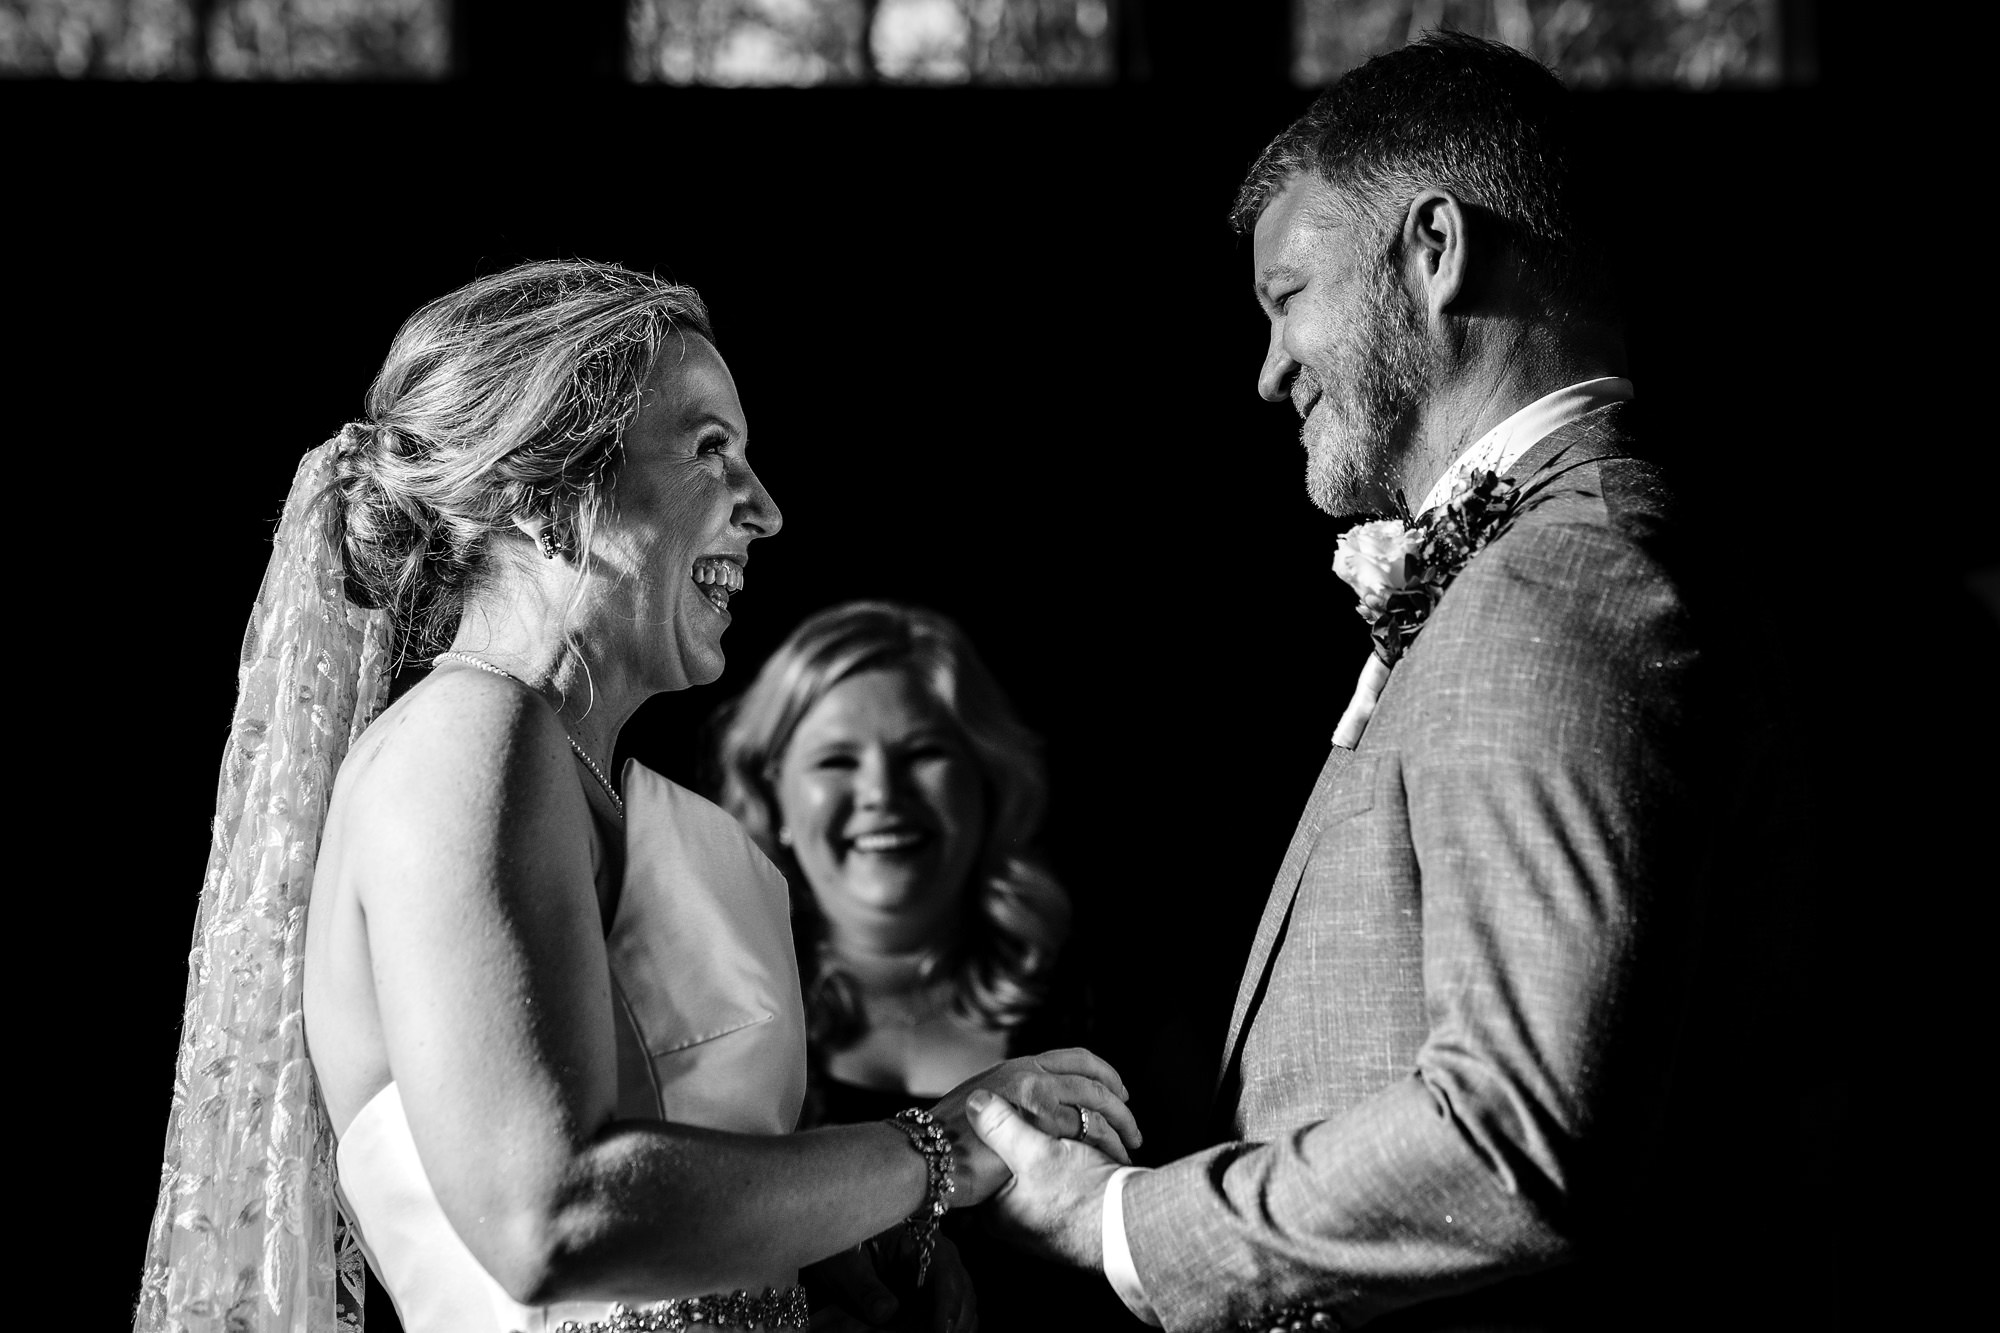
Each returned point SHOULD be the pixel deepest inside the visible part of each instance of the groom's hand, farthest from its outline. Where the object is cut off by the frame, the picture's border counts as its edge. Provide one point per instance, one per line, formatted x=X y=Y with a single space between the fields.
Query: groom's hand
x=1055 y=1202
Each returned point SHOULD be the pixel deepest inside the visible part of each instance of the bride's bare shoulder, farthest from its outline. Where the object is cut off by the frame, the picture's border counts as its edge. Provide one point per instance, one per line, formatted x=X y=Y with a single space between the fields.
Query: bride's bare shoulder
x=460 y=747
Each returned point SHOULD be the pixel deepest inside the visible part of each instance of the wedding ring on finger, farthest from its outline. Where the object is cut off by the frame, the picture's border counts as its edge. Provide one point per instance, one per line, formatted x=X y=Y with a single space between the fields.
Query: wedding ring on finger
x=1082 y=1123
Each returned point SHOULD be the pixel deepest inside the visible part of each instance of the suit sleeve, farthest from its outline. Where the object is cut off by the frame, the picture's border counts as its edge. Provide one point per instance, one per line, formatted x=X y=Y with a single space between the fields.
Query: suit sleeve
x=1544 y=774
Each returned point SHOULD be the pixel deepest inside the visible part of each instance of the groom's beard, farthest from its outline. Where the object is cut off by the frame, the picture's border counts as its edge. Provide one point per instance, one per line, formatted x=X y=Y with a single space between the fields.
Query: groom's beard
x=1368 y=398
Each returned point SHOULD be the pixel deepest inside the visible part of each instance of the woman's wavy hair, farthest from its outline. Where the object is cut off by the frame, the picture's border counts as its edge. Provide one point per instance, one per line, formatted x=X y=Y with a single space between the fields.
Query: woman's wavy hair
x=508 y=398
x=1017 y=915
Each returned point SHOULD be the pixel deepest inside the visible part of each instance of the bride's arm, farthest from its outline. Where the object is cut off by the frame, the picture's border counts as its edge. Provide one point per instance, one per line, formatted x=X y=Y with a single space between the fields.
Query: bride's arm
x=469 y=849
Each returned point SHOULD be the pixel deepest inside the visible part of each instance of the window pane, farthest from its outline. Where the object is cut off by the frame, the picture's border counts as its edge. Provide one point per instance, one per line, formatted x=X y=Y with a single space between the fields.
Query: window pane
x=994 y=41
x=80 y=39
x=1591 y=43
x=329 y=39
x=911 y=41
x=738 y=42
x=246 y=39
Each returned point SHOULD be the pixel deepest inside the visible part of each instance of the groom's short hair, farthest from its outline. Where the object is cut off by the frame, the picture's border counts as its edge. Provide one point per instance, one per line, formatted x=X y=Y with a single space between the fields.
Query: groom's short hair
x=1456 y=112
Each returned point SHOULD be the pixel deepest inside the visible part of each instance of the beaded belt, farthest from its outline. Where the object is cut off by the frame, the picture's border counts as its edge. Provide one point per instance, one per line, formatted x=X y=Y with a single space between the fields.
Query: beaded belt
x=777 y=1308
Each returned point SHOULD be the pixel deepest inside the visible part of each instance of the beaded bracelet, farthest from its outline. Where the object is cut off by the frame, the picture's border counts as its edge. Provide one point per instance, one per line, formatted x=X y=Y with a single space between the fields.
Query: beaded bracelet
x=928 y=1138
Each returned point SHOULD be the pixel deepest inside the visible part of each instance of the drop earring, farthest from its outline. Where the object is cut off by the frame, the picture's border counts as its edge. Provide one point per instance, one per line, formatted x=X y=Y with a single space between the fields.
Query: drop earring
x=554 y=548
x=784 y=835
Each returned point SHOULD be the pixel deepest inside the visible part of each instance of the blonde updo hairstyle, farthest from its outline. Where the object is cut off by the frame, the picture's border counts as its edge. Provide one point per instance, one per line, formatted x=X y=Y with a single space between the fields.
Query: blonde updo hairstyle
x=507 y=399
x=1016 y=916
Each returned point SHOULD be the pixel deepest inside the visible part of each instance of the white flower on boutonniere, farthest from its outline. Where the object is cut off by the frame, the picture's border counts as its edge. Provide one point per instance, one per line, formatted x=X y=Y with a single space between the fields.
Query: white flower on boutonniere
x=1378 y=560
x=1400 y=566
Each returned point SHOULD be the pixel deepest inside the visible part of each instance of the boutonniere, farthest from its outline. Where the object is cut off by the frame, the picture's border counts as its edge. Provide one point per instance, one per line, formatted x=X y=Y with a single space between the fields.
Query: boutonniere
x=1400 y=566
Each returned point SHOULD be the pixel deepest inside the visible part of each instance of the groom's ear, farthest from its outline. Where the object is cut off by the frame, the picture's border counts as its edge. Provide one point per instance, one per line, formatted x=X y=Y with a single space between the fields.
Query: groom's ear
x=1435 y=246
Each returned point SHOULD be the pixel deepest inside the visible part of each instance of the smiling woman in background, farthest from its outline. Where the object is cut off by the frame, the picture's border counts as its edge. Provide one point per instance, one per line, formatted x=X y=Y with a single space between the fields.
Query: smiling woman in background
x=879 y=764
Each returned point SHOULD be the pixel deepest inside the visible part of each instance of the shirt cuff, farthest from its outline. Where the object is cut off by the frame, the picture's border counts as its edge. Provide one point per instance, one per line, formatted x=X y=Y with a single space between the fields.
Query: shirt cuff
x=1119 y=1269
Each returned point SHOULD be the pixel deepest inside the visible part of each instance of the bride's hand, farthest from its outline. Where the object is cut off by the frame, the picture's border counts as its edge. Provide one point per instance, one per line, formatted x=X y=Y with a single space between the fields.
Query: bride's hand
x=1051 y=1089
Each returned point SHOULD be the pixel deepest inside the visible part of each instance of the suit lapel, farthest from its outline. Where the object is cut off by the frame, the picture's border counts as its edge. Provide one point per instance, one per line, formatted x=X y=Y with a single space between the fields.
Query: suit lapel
x=1279 y=905
x=1594 y=435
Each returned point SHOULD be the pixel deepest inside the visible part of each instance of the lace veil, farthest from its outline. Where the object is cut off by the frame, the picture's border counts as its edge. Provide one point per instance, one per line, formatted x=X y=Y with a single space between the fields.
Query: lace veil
x=247 y=1237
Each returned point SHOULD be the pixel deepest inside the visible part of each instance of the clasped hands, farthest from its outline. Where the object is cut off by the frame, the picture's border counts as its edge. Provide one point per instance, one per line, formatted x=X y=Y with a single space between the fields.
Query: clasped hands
x=1020 y=1142
x=1053 y=1199
x=1019 y=1127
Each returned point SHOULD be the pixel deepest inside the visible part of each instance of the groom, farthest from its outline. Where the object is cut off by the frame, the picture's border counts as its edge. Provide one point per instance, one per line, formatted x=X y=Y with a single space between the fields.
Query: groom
x=1447 y=1044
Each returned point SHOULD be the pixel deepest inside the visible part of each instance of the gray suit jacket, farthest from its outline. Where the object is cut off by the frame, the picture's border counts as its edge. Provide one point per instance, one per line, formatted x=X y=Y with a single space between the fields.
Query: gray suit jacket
x=1455 y=1013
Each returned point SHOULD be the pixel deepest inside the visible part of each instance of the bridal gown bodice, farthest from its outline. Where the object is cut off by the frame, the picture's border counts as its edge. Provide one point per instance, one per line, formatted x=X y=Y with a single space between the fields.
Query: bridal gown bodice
x=710 y=1032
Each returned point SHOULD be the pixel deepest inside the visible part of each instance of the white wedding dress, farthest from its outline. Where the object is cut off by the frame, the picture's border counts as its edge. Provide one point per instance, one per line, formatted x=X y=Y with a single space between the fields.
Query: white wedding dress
x=711 y=1032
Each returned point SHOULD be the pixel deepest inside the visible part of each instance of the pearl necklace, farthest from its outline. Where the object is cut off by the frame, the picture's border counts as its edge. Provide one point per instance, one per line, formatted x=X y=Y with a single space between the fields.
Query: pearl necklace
x=617 y=801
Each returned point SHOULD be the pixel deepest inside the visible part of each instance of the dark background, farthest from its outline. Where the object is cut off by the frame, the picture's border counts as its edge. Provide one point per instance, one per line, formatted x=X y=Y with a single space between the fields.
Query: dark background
x=998 y=349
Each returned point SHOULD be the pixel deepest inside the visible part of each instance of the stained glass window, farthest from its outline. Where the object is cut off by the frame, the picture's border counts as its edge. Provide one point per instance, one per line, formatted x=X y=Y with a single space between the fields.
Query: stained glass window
x=242 y=39
x=736 y=42
x=1591 y=43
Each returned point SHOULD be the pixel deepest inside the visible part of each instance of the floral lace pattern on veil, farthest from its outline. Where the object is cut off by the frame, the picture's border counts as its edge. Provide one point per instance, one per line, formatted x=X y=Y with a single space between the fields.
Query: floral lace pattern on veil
x=247 y=1235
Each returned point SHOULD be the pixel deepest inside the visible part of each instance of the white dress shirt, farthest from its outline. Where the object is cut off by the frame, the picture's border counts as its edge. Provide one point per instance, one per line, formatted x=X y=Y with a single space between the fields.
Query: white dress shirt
x=1495 y=451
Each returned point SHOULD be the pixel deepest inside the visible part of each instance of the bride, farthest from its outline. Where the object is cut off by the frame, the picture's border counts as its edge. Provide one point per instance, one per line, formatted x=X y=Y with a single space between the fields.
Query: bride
x=553 y=1018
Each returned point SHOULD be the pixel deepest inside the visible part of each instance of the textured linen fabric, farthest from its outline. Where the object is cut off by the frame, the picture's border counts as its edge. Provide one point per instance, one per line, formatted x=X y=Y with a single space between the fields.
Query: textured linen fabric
x=1450 y=1029
x=711 y=1033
